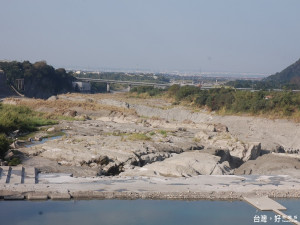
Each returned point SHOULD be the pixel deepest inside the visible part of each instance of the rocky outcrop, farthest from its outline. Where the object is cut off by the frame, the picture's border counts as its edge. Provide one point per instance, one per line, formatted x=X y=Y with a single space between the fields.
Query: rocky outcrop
x=120 y=143
x=183 y=165
x=279 y=149
x=247 y=152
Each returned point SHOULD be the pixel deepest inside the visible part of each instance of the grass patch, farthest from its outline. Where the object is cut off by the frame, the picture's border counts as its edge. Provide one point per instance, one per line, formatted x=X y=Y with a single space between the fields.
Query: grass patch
x=117 y=134
x=21 y=118
x=18 y=118
x=163 y=133
x=152 y=133
x=138 y=137
x=27 y=136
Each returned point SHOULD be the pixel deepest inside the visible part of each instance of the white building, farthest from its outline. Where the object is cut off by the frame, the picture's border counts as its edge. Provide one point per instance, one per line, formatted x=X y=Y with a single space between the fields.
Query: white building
x=82 y=86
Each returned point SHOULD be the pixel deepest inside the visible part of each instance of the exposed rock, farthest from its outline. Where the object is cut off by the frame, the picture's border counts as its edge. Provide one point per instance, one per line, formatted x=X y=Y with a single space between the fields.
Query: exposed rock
x=3 y=163
x=9 y=155
x=93 y=165
x=17 y=144
x=185 y=164
x=71 y=113
x=154 y=157
x=37 y=138
x=82 y=117
x=112 y=169
x=220 y=128
x=202 y=135
x=270 y=164
x=102 y=160
x=224 y=154
x=52 y=98
x=51 y=129
x=279 y=149
x=252 y=152
x=181 y=129
x=14 y=145
x=247 y=152
x=206 y=127
x=16 y=132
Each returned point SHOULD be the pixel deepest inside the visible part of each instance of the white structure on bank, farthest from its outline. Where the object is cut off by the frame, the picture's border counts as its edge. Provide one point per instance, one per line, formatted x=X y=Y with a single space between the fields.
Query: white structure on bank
x=84 y=87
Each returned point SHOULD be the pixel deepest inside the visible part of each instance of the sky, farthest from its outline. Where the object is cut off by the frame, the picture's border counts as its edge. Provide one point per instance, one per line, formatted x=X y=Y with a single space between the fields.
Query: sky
x=257 y=36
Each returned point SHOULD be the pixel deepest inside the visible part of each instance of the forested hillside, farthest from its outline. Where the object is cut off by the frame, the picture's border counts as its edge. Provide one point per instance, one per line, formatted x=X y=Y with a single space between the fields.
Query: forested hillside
x=40 y=79
x=288 y=78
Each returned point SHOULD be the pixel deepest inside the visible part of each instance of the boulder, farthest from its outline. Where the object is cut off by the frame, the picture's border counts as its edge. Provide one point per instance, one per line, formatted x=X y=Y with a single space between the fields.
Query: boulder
x=51 y=129
x=14 y=145
x=37 y=138
x=220 y=128
x=111 y=169
x=102 y=160
x=252 y=152
x=9 y=155
x=247 y=152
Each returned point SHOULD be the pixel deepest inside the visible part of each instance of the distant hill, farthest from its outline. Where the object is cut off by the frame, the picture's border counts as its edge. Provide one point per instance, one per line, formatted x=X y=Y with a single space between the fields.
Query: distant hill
x=289 y=77
x=40 y=79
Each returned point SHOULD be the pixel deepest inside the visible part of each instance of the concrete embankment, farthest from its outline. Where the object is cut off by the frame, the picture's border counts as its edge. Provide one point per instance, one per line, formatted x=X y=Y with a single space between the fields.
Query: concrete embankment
x=64 y=186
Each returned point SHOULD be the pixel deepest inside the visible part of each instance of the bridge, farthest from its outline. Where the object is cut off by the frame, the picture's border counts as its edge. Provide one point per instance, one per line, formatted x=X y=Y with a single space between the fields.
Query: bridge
x=162 y=85
x=129 y=83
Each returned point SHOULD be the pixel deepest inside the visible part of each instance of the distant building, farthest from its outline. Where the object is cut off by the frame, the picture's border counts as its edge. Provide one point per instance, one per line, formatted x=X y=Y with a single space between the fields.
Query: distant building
x=84 y=87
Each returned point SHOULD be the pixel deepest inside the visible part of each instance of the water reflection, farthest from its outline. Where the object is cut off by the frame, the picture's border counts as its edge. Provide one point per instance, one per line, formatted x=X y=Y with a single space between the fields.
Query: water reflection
x=133 y=212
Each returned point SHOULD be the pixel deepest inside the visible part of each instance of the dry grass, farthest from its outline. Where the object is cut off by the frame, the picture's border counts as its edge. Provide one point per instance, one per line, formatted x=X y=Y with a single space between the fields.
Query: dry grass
x=60 y=106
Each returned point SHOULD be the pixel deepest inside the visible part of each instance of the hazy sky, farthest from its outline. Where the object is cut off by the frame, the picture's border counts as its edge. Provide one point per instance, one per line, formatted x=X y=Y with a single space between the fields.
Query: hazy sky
x=194 y=35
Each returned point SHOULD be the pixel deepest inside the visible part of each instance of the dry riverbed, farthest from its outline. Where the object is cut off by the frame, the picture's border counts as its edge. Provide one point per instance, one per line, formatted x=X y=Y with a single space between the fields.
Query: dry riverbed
x=113 y=138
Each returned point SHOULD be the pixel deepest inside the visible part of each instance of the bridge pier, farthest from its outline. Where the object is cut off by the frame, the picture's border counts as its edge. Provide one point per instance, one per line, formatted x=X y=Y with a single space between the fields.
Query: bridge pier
x=19 y=84
x=107 y=87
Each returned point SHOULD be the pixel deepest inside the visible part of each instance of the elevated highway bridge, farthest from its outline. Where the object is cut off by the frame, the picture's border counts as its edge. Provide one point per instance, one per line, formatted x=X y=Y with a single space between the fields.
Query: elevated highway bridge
x=129 y=83
x=161 y=85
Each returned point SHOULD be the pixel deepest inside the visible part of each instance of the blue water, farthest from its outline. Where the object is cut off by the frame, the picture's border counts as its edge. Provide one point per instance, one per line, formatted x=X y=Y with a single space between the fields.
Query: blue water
x=135 y=212
x=33 y=143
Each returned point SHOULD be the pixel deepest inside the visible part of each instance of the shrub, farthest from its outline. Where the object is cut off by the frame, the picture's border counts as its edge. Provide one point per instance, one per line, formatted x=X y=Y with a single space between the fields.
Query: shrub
x=4 y=145
x=152 y=91
x=14 y=161
x=186 y=91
